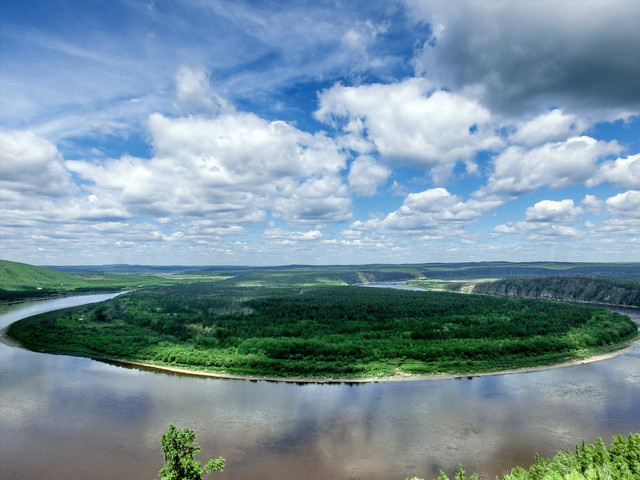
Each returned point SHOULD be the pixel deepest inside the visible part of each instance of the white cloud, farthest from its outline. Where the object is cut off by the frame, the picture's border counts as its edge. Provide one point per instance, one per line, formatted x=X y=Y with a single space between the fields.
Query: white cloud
x=31 y=166
x=232 y=167
x=625 y=204
x=278 y=235
x=411 y=123
x=552 y=211
x=590 y=203
x=547 y=218
x=622 y=173
x=366 y=175
x=211 y=228
x=560 y=230
x=623 y=226
x=314 y=202
x=242 y=148
x=364 y=226
x=559 y=164
x=194 y=92
x=537 y=230
x=435 y=209
x=551 y=126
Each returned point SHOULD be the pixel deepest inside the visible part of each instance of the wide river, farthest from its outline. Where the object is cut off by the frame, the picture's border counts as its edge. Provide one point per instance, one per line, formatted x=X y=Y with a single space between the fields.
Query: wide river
x=66 y=418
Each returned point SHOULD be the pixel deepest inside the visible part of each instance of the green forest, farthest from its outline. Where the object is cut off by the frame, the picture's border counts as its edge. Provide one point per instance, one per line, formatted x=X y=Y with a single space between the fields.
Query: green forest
x=327 y=332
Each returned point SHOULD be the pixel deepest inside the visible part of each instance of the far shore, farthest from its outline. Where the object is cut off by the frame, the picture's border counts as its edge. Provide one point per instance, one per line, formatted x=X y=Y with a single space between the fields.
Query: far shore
x=399 y=377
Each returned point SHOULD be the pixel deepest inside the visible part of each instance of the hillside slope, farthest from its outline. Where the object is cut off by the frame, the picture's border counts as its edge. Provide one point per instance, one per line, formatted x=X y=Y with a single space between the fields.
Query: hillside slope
x=19 y=281
x=566 y=288
x=20 y=276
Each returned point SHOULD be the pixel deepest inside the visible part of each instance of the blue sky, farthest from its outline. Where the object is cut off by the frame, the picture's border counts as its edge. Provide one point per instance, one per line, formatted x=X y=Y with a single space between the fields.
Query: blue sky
x=339 y=132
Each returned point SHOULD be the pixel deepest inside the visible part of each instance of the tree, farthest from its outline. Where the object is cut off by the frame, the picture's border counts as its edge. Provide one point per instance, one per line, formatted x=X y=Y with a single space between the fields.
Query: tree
x=178 y=448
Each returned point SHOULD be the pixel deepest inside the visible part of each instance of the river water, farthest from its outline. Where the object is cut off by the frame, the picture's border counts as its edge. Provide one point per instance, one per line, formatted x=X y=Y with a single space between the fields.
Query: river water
x=65 y=417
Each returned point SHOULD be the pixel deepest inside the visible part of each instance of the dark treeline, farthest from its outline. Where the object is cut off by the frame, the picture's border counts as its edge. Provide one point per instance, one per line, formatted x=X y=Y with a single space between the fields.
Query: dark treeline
x=327 y=331
x=566 y=288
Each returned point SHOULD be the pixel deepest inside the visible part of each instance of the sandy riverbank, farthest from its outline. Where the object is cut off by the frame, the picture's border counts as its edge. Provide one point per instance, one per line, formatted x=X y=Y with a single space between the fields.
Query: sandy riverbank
x=399 y=377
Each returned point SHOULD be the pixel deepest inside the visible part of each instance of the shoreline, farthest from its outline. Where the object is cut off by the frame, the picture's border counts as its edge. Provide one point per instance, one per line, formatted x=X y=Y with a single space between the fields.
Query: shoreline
x=626 y=347
x=69 y=294
x=400 y=377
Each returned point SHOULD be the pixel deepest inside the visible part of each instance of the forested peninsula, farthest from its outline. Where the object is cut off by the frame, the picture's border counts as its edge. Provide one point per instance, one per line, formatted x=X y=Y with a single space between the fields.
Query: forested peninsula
x=326 y=332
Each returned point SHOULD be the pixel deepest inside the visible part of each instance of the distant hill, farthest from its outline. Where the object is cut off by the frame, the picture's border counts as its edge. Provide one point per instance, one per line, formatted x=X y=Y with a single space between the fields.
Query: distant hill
x=630 y=271
x=569 y=288
x=19 y=281
x=376 y=272
x=20 y=276
x=124 y=269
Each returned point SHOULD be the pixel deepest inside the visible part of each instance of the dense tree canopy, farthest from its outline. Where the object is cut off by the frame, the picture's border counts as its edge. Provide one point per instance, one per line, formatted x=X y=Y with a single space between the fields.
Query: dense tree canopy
x=343 y=332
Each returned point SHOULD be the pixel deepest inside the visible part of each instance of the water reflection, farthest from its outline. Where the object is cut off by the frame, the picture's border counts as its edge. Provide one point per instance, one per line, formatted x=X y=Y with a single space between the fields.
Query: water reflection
x=66 y=417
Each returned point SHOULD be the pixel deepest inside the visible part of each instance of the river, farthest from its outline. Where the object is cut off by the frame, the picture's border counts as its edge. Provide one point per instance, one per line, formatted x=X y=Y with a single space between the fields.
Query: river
x=66 y=417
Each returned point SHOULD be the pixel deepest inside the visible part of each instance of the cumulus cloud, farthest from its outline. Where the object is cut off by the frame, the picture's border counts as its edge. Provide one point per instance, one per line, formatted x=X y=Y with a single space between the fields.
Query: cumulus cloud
x=410 y=122
x=622 y=173
x=625 y=204
x=232 y=167
x=558 y=164
x=32 y=166
x=435 y=209
x=315 y=202
x=592 y=204
x=547 y=218
x=528 y=54
x=283 y=237
x=242 y=148
x=552 y=211
x=547 y=127
x=366 y=175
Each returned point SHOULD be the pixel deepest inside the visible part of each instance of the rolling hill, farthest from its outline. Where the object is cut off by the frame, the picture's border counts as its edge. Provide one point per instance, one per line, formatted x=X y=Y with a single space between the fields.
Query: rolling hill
x=20 y=276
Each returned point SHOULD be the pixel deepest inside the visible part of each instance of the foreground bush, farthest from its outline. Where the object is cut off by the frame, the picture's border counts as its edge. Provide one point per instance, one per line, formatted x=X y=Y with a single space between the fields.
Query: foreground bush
x=589 y=462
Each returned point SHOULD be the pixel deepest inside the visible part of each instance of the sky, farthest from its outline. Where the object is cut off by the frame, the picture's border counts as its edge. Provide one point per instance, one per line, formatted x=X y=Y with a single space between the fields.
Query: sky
x=197 y=132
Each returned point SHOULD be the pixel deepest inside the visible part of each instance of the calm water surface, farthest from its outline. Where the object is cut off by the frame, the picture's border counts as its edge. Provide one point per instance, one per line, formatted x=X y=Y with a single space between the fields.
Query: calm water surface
x=64 y=417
